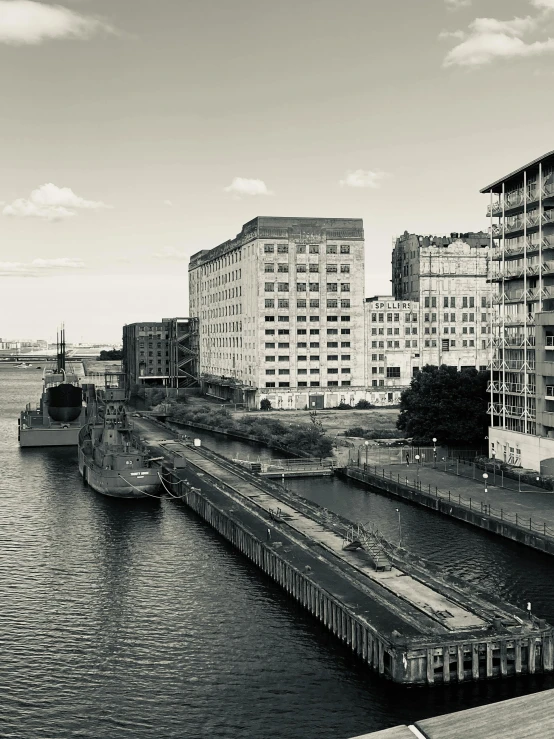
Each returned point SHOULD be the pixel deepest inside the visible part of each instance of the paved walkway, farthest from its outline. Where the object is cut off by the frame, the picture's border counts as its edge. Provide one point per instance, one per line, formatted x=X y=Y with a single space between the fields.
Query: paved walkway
x=531 y=503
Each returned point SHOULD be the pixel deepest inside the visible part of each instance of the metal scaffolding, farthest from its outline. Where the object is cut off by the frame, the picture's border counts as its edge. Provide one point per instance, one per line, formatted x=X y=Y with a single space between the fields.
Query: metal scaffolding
x=184 y=362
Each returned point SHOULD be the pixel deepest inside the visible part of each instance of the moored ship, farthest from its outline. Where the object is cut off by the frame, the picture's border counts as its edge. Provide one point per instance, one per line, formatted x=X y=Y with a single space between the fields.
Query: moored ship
x=60 y=414
x=112 y=459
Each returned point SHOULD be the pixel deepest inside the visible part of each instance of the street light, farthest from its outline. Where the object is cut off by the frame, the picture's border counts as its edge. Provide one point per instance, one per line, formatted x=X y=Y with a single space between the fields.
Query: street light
x=366 y=449
x=444 y=460
x=434 y=451
x=485 y=478
x=399 y=528
x=417 y=466
x=493 y=452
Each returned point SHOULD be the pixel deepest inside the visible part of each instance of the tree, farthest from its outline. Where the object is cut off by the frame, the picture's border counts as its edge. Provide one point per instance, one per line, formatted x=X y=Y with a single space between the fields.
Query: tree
x=449 y=405
x=111 y=354
x=265 y=404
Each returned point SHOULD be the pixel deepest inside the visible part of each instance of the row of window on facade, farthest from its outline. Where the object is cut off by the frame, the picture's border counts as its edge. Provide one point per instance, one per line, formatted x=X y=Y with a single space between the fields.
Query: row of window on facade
x=302 y=287
x=235 y=274
x=285 y=303
x=304 y=357
x=312 y=249
x=313 y=371
x=301 y=268
x=468 y=301
x=313 y=383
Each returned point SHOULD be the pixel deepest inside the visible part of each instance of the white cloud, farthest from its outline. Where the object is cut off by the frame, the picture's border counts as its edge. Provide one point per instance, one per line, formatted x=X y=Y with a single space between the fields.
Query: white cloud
x=363 y=178
x=29 y=22
x=488 y=39
x=170 y=252
x=457 y=4
x=168 y=202
x=242 y=186
x=452 y=34
x=543 y=4
x=52 y=203
x=39 y=267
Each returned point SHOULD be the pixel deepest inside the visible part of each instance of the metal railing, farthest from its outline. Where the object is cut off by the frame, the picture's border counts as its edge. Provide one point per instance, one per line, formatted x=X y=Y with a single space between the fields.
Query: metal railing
x=380 y=478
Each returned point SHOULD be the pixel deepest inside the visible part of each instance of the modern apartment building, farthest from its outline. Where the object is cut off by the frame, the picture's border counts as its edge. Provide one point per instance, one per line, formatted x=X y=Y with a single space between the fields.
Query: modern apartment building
x=446 y=276
x=161 y=353
x=521 y=212
x=281 y=309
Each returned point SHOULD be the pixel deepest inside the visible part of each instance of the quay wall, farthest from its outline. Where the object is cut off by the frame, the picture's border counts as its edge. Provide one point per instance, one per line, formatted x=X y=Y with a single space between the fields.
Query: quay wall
x=423 y=660
x=360 y=636
x=449 y=506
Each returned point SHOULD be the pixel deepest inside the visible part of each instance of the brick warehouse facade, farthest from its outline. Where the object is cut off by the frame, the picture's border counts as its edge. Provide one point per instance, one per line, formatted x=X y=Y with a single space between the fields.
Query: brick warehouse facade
x=281 y=310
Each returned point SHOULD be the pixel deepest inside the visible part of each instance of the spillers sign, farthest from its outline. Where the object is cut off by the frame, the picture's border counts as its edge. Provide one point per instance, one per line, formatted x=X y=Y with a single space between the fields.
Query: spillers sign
x=392 y=305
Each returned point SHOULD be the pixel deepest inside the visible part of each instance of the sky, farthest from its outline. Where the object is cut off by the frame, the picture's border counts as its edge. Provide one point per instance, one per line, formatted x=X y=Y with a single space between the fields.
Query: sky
x=137 y=132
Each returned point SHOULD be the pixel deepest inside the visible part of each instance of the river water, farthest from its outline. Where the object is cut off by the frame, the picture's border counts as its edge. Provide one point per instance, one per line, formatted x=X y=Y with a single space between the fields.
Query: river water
x=134 y=619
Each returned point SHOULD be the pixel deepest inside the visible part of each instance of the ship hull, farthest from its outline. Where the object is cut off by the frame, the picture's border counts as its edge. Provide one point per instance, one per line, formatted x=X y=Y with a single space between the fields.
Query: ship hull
x=35 y=437
x=132 y=484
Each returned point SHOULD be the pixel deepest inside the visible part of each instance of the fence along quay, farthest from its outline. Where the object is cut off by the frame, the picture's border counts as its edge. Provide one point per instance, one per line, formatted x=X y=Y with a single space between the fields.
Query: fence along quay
x=405 y=623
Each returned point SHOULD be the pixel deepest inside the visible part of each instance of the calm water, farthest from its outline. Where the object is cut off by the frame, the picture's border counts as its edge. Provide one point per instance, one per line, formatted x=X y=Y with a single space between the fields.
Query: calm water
x=122 y=619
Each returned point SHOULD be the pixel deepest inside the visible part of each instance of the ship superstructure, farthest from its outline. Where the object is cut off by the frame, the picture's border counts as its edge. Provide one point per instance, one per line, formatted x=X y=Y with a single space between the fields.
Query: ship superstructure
x=60 y=414
x=112 y=459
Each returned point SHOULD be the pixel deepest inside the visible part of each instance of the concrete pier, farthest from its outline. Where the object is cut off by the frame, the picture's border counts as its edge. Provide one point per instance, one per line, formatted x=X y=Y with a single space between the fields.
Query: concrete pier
x=405 y=623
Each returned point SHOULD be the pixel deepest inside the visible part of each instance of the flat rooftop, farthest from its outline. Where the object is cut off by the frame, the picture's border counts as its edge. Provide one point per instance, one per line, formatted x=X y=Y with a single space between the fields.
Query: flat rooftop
x=515 y=176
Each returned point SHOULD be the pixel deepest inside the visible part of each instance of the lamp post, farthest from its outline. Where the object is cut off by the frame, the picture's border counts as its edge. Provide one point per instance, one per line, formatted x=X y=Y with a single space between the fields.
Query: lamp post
x=366 y=450
x=494 y=465
x=434 y=451
x=485 y=478
x=444 y=460
x=399 y=528
x=417 y=467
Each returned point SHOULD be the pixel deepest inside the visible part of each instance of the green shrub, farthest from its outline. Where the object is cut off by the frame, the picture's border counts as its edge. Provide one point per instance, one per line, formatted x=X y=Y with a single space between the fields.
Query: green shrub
x=265 y=404
x=363 y=405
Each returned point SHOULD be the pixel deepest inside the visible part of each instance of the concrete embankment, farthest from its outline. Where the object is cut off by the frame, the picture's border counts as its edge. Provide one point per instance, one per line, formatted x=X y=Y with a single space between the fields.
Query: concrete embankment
x=525 y=717
x=406 y=624
x=497 y=517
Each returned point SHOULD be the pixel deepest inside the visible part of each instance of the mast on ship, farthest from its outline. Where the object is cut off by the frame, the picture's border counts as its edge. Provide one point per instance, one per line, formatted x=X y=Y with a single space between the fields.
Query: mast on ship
x=60 y=350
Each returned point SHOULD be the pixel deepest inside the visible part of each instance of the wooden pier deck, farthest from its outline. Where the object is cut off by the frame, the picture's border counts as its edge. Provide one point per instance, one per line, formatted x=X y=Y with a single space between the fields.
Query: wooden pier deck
x=526 y=717
x=406 y=623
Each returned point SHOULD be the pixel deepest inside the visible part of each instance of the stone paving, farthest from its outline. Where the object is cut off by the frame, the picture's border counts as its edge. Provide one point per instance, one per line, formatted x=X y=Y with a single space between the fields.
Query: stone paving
x=531 y=503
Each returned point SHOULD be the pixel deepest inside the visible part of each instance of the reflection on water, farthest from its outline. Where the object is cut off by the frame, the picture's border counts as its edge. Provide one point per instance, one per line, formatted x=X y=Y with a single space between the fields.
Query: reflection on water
x=122 y=619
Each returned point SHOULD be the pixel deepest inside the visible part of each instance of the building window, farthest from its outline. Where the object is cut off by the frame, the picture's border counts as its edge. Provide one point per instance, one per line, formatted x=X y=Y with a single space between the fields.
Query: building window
x=332 y=344
x=283 y=287
x=345 y=303
x=345 y=287
x=269 y=287
x=270 y=358
x=283 y=319
x=314 y=344
x=333 y=371
x=332 y=319
x=314 y=249
x=464 y=302
x=374 y=383
x=282 y=303
x=270 y=318
x=331 y=249
x=270 y=371
x=332 y=287
x=331 y=303
x=282 y=268
x=314 y=383
x=300 y=303
x=314 y=287
x=345 y=268
x=314 y=371
x=335 y=357
x=314 y=331
x=300 y=248
x=270 y=384
x=283 y=344
x=331 y=268
x=345 y=319
x=346 y=382
x=269 y=331
x=301 y=268
x=269 y=303
x=283 y=331
x=332 y=331
x=332 y=383
x=345 y=249
x=270 y=345
x=301 y=331
x=283 y=358
x=452 y=343
x=314 y=302
x=269 y=267
x=314 y=358
x=393 y=372
x=345 y=330
x=345 y=344
x=345 y=357
x=301 y=319
x=269 y=248
x=284 y=384
x=302 y=384
x=284 y=371
x=282 y=249
x=314 y=268
x=302 y=371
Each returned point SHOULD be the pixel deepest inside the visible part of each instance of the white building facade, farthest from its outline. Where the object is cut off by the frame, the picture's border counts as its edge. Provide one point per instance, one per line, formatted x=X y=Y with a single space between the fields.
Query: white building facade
x=281 y=310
